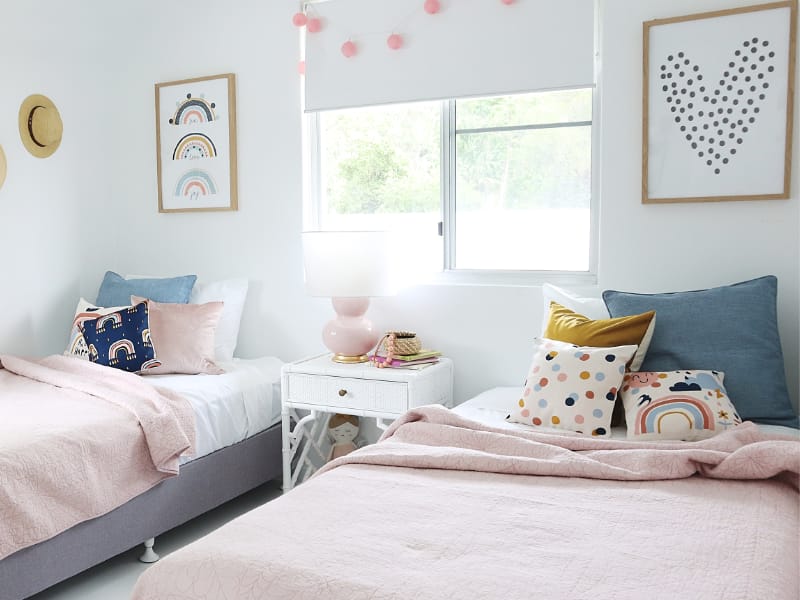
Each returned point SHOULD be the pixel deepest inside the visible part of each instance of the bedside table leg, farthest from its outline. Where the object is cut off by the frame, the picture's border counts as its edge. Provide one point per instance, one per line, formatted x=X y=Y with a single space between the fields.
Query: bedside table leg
x=287 y=449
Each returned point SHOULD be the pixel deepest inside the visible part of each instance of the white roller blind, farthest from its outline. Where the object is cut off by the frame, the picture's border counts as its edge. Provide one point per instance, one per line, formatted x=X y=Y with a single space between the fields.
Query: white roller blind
x=469 y=48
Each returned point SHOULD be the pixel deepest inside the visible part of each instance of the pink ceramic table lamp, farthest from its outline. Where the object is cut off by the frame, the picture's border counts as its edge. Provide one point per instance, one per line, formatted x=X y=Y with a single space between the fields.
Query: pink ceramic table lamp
x=350 y=267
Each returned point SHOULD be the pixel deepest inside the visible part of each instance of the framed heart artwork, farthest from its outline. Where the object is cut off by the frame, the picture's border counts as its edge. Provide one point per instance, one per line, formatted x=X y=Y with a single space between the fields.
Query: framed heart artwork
x=718 y=105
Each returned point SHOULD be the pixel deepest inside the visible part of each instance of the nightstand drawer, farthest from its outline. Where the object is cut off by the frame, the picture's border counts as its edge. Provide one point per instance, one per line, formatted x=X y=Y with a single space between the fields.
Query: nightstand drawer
x=346 y=392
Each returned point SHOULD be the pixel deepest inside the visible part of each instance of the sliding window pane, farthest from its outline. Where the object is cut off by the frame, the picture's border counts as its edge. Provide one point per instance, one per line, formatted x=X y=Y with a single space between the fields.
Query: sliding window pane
x=523 y=198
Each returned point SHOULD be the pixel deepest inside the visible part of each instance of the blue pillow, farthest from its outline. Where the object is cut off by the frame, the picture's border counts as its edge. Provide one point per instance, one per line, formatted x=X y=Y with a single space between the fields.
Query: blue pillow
x=733 y=329
x=121 y=339
x=117 y=291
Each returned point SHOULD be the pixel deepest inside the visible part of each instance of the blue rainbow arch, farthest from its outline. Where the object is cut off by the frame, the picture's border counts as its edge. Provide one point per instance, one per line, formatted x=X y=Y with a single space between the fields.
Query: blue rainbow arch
x=195 y=183
x=696 y=412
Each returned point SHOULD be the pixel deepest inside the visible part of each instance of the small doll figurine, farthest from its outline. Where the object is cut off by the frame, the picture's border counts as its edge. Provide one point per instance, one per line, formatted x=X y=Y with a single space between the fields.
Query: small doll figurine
x=343 y=430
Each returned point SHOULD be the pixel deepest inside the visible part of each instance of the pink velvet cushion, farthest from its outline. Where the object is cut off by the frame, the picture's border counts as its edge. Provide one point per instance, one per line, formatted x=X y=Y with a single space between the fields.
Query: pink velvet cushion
x=183 y=336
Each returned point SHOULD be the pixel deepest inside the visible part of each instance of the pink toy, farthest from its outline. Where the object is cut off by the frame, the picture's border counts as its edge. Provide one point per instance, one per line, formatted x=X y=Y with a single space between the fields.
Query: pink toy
x=299 y=19
x=314 y=25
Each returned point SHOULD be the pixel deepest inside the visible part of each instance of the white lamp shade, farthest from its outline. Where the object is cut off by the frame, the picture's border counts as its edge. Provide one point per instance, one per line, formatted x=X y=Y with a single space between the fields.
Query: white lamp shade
x=348 y=264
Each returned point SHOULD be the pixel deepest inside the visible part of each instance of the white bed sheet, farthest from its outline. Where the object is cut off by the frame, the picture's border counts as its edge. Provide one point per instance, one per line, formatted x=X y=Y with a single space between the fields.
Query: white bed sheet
x=231 y=407
x=492 y=407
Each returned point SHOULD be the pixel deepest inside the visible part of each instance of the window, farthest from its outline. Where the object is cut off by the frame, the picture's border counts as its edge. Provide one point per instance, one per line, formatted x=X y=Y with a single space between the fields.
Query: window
x=478 y=186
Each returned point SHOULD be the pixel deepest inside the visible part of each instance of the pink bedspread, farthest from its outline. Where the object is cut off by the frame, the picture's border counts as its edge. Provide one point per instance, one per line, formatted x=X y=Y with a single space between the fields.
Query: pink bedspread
x=76 y=441
x=467 y=511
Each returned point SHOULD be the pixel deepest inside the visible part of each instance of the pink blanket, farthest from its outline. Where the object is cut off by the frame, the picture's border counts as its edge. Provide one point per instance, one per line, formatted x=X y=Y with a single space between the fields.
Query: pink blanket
x=468 y=511
x=77 y=440
x=421 y=438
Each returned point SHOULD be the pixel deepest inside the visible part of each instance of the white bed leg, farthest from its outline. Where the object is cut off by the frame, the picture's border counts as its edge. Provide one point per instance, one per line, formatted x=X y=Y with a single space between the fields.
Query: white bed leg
x=149 y=556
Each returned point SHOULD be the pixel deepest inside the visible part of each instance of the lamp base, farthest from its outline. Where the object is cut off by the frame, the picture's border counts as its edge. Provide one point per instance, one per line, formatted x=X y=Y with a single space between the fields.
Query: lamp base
x=350 y=360
x=350 y=336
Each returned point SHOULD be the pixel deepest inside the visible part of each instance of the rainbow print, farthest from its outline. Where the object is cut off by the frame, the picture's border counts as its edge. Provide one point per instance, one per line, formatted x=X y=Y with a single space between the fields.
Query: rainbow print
x=151 y=364
x=146 y=337
x=195 y=183
x=696 y=414
x=114 y=318
x=194 y=110
x=194 y=145
x=124 y=345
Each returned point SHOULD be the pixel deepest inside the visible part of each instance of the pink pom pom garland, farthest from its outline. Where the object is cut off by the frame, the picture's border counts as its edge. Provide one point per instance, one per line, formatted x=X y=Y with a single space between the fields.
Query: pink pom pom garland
x=314 y=26
x=349 y=49
x=395 y=41
x=432 y=6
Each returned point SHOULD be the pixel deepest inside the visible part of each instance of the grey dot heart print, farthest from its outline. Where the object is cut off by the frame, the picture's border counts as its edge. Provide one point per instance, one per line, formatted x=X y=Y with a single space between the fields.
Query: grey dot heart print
x=714 y=116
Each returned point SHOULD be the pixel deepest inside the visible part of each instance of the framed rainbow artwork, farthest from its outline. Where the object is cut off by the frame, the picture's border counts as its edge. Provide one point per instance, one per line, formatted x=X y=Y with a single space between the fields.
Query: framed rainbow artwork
x=196 y=144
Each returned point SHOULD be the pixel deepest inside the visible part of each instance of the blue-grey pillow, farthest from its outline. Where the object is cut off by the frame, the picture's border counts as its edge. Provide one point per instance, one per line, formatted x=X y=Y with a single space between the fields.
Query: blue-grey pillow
x=117 y=291
x=733 y=329
x=121 y=339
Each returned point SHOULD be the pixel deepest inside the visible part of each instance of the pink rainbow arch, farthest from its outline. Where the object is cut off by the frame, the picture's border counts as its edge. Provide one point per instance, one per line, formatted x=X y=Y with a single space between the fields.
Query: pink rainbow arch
x=124 y=345
x=696 y=412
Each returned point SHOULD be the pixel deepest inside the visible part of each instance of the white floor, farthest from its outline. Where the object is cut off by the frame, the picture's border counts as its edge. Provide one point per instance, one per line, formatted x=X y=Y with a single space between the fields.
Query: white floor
x=115 y=578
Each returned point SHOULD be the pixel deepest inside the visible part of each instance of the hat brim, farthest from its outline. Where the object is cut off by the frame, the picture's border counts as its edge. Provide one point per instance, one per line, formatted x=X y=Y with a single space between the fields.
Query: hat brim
x=3 y=167
x=29 y=105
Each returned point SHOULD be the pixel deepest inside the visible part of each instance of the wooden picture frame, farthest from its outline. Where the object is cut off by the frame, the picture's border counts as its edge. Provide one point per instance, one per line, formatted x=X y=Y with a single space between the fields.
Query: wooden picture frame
x=196 y=144
x=718 y=101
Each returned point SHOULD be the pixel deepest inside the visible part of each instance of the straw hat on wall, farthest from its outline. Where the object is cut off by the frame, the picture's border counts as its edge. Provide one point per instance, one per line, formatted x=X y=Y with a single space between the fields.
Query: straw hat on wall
x=40 y=125
x=2 y=167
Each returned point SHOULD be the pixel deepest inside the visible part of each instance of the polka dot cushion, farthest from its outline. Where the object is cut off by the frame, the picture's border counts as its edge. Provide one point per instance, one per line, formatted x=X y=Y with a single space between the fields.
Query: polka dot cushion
x=572 y=387
x=676 y=405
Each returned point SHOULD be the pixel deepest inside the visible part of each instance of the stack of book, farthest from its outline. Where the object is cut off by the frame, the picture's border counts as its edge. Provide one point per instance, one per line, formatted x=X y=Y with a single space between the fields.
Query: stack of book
x=423 y=357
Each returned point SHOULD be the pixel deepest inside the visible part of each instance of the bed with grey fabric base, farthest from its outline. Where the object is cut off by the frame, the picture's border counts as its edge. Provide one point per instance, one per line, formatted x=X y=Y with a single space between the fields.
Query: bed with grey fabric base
x=203 y=484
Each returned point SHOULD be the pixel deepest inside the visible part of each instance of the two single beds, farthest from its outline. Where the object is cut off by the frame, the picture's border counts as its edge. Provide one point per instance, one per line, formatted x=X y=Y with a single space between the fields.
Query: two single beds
x=236 y=438
x=460 y=504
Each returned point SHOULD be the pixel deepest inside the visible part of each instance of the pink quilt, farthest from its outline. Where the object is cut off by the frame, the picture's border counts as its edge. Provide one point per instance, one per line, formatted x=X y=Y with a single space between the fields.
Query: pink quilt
x=77 y=440
x=444 y=507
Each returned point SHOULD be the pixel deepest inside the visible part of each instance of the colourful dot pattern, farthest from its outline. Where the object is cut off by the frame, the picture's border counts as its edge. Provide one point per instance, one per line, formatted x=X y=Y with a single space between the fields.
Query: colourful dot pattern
x=572 y=387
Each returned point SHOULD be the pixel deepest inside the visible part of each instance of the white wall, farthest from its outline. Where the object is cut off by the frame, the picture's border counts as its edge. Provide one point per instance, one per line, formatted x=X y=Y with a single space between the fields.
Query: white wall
x=684 y=246
x=487 y=330
x=52 y=48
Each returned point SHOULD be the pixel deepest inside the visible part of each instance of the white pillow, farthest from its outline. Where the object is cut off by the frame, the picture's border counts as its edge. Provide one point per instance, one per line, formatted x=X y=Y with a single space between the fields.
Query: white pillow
x=231 y=292
x=594 y=308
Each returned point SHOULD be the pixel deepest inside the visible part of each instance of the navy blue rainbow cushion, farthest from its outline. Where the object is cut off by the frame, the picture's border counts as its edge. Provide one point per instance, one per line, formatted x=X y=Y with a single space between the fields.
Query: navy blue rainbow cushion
x=121 y=339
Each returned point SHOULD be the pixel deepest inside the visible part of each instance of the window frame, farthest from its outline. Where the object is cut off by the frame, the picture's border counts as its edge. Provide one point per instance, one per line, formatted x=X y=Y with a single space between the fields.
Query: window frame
x=449 y=274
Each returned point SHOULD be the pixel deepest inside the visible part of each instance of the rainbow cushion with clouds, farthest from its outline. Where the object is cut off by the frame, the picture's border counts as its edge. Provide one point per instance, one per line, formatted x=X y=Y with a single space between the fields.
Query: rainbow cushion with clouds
x=572 y=387
x=121 y=339
x=676 y=405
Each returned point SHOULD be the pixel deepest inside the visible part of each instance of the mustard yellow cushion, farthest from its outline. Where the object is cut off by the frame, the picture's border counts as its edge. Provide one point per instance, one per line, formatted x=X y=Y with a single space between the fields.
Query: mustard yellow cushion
x=566 y=325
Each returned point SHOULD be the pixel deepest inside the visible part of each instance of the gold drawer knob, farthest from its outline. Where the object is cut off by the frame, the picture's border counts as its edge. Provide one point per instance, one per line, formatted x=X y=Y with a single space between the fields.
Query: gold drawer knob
x=342 y=392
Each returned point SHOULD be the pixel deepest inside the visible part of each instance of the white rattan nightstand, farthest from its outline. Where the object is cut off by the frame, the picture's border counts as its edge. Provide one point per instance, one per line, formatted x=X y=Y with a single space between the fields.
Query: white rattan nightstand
x=323 y=387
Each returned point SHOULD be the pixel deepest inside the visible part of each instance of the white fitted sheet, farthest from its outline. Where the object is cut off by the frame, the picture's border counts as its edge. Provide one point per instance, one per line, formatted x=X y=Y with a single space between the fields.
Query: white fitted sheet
x=493 y=405
x=231 y=407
